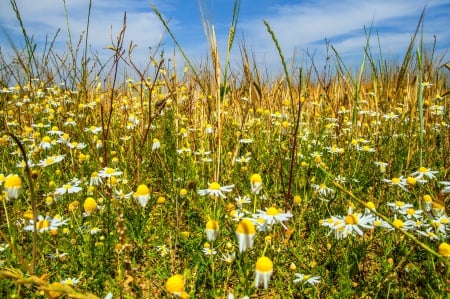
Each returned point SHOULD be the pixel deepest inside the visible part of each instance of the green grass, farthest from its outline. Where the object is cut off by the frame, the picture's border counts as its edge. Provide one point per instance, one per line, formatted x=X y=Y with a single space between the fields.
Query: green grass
x=307 y=133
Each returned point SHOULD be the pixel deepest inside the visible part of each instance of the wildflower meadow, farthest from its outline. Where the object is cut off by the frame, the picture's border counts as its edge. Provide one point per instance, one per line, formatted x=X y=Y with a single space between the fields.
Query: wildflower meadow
x=220 y=181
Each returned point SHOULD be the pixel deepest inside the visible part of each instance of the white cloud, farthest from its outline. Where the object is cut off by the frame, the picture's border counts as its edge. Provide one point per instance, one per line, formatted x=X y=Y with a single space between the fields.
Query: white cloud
x=298 y=27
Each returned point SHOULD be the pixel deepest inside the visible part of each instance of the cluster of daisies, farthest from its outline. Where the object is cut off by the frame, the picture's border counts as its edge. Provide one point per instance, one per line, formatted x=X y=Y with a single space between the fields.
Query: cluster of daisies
x=246 y=229
x=430 y=221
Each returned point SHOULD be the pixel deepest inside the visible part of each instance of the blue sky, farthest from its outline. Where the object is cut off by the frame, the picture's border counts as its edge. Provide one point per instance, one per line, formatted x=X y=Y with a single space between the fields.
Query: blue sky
x=301 y=26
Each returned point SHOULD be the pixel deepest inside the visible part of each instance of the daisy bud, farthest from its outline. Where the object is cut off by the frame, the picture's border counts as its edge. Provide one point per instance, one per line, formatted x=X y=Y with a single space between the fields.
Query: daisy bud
x=142 y=195
x=256 y=183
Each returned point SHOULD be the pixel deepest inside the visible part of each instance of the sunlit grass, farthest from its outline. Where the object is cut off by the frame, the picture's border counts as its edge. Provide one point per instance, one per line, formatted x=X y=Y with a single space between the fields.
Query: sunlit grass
x=173 y=185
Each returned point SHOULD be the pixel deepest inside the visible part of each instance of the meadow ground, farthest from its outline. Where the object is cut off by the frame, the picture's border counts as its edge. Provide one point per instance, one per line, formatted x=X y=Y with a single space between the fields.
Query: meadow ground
x=222 y=183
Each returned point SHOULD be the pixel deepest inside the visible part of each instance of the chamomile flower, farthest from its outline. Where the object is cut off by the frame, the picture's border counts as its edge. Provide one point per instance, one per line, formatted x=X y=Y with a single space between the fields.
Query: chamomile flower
x=424 y=172
x=243 y=159
x=351 y=224
x=120 y=194
x=69 y=188
x=263 y=271
x=366 y=148
x=400 y=224
x=334 y=149
x=22 y=164
x=323 y=190
x=212 y=230
x=272 y=215
x=46 y=223
x=142 y=195
x=437 y=208
x=108 y=172
x=411 y=213
x=95 y=179
x=340 y=179
x=429 y=233
x=46 y=143
x=12 y=185
x=90 y=205
x=209 y=129
x=390 y=115
x=241 y=200
x=306 y=279
x=256 y=183
x=444 y=249
x=175 y=285
x=163 y=250
x=209 y=251
x=70 y=281
x=245 y=234
x=51 y=160
x=399 y=206
x=397 y=181
x=229 y=257
x=76 y=145
x=215 y=190
x=427 y=202
x=93 y=129
x=156 y=144
x=382 y=166
x=446 y=185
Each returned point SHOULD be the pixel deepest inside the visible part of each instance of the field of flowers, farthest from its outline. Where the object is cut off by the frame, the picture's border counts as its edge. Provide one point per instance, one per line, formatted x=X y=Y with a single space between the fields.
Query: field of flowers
x=224 y=184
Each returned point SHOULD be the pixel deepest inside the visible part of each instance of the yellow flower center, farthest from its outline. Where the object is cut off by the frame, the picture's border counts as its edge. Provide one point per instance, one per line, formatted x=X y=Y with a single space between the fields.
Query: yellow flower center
x=214 y=186
x=109 y=170
x=212 y=224
x=351 y=219
x=395 y=180
x=73 y=205
x=264 y=264
x=399 y=203
x=246 y=227
x=175 y=284
x=410 y=211
x=272 y=211
x=183 y=192
x=13 y=181
x=370 y=205
x=49 y=161
x=427 y=198
x=444 y=249
x=89 y=205
x=43 y=224
x=255 y=178
x=397 y=223
x=46 y=139
x=142 y=190
x=411 y=181
x=423 y=169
